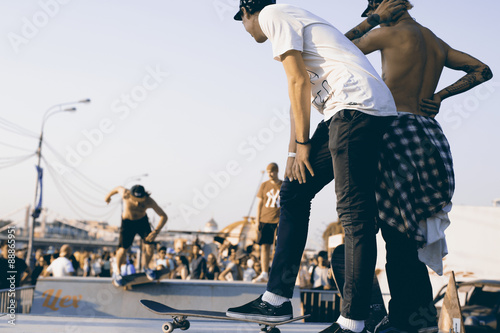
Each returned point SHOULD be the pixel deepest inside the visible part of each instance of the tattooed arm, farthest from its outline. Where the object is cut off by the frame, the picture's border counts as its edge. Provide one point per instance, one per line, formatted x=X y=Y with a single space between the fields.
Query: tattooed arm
x=362 y=28
x=477 y=73
x=387 y=11
x=376 y=40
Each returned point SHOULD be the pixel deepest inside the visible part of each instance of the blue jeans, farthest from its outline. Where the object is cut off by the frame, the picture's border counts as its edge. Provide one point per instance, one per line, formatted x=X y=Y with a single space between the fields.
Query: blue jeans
x=352 y=140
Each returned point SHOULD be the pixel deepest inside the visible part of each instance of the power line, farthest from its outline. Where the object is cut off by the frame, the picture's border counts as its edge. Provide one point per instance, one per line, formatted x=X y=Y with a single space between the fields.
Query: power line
x=85 y=179
x=14 y=158
x=16 y=147
x=13 y=212
x=12 y=127
x=12 y=162
x=71 y=188
x=63 y=189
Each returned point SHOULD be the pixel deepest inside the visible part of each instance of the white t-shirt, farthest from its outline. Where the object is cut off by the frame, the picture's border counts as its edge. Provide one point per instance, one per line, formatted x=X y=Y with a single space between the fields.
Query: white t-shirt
x=62 y=266
x=341 y=76
x=320 y=277
x=166 y=262
x=249 y=274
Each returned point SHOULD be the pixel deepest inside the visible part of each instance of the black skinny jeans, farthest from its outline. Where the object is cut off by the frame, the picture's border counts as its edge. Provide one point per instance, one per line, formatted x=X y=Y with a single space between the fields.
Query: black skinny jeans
x=352 y=140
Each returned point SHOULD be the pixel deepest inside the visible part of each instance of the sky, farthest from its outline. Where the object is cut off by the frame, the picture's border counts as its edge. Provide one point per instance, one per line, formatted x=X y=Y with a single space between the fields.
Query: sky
x=182 y=93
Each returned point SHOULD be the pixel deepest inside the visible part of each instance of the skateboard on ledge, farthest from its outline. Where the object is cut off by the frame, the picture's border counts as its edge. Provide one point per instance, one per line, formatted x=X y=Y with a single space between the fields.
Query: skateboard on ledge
x=140 y=278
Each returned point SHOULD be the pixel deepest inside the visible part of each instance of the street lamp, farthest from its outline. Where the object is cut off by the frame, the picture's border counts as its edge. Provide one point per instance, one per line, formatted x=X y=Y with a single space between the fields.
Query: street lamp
x=37 y=208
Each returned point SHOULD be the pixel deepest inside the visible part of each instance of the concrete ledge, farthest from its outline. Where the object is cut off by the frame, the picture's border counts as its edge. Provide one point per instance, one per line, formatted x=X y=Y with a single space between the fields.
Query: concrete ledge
x=97 y=297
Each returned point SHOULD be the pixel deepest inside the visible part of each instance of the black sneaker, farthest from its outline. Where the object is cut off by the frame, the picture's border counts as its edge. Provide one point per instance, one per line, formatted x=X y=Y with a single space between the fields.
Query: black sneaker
x=260 y=310
x=335 y=328
x=385 y=326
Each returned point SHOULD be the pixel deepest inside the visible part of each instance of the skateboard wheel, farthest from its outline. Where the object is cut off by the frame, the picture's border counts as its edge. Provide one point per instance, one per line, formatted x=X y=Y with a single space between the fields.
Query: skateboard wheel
x=184 y=325
x=274 y=330
x=167 y=328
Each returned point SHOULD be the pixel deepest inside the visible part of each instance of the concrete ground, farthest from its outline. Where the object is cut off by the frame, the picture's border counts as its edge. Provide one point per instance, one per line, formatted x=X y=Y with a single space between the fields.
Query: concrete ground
x=46 y=324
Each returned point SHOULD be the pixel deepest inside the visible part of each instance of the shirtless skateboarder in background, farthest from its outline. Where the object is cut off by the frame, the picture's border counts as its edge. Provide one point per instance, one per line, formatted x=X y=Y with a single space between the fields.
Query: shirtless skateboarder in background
x=135 y=221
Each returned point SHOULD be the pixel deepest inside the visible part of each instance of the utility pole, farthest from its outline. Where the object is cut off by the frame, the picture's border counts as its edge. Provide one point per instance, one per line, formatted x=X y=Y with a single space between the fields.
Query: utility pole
x=37 y=207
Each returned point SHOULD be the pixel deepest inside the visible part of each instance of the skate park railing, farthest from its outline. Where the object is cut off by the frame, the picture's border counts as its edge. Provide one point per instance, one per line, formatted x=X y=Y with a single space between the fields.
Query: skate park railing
x=18 y=300
x=322 y=305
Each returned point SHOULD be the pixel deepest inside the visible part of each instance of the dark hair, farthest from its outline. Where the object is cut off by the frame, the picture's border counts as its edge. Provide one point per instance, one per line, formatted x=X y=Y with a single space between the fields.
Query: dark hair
x=323 y=254
x=163 y=248
x=252 y=7
x=185 y=262
x=138 y=191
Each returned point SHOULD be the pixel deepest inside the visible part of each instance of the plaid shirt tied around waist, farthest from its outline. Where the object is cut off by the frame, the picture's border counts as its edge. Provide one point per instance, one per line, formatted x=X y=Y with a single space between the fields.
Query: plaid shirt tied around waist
x=415 y=178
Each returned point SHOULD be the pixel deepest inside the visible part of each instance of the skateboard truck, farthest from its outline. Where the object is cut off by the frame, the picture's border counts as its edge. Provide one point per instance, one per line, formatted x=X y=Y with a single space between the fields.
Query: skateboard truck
x=177 y=322
x=269 y=329
x=183 y=324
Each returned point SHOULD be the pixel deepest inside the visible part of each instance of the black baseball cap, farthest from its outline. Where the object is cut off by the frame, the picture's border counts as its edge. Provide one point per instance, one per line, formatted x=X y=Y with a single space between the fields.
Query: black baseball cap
x=253 y=6
x=371 y=5
x=138 y=191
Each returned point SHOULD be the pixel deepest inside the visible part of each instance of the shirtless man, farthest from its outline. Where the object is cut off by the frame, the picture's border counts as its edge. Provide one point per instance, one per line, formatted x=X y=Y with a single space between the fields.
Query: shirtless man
x=413 y=59
x=135 y=221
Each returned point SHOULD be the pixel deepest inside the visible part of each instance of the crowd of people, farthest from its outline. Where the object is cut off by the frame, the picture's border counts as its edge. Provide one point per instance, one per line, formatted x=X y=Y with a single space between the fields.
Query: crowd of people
x=230 y=264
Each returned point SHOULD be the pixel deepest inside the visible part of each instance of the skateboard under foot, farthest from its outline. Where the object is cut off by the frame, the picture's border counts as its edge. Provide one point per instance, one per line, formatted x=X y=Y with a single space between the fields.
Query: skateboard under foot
x=179 y=317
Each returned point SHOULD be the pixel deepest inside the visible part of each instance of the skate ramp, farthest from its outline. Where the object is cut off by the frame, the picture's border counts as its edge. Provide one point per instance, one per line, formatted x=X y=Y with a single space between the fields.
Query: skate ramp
x=97 y=297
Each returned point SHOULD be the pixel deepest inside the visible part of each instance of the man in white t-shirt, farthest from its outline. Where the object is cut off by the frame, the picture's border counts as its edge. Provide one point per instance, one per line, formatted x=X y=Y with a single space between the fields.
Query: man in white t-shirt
x=62 y=266
x=325 y=69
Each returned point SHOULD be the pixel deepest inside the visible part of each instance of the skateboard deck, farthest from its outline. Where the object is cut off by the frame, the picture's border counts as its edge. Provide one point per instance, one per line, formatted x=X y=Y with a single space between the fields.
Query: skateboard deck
x=179 y=317
x=377 y=307
x=450 y=317
x=141 y=278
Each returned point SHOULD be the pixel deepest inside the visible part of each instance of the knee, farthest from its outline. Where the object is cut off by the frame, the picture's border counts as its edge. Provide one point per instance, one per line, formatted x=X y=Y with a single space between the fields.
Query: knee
x=293 y=194
x=355 y=228
x=149 y=249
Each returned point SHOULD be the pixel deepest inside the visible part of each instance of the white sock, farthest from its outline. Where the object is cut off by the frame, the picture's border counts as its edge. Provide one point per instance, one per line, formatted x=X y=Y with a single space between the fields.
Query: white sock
x=273 y=299
x=264 y=274
x=116 y=270
x=352 y=325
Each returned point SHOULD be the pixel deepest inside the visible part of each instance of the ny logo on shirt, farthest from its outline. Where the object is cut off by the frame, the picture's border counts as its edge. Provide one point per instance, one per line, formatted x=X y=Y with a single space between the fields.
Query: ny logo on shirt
x=273 y=198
